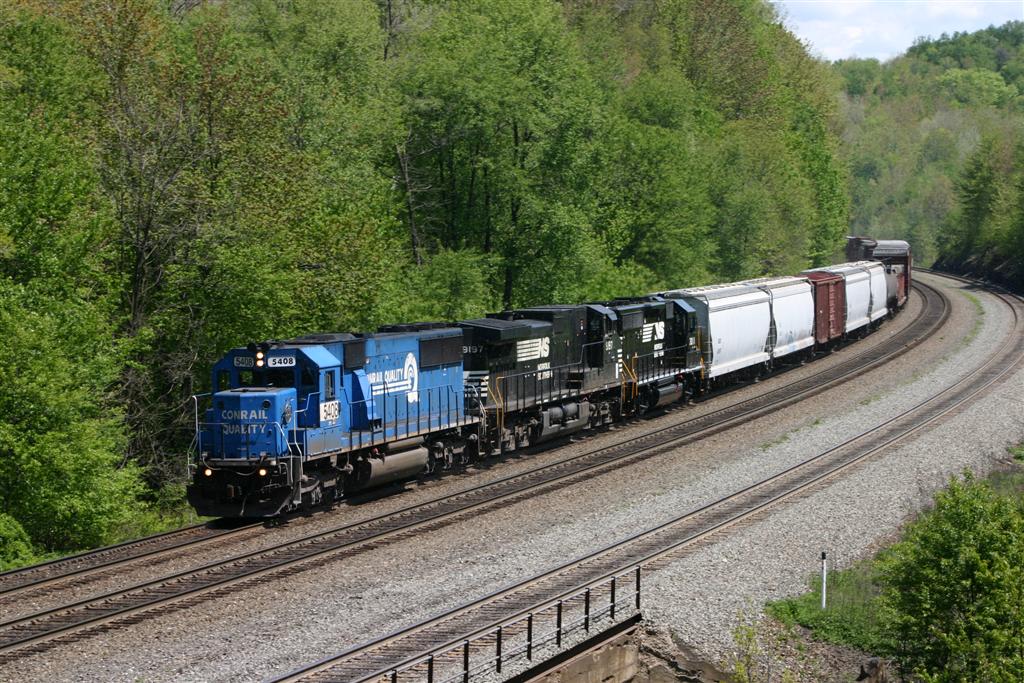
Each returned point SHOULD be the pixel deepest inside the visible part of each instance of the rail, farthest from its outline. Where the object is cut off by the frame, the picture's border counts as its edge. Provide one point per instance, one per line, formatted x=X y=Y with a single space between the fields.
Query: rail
x=545 y=630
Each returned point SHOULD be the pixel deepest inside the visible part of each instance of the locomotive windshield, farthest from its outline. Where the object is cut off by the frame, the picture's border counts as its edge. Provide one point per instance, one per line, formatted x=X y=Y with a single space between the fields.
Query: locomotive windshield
x=278 y=377
x=270 y=377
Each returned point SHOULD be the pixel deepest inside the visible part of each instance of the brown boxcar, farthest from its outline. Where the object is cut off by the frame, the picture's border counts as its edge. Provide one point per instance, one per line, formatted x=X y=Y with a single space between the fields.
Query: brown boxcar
x=829 y=305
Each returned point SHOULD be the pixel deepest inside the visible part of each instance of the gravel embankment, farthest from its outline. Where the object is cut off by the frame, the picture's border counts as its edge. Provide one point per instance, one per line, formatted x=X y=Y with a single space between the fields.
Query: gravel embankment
x=334 y=605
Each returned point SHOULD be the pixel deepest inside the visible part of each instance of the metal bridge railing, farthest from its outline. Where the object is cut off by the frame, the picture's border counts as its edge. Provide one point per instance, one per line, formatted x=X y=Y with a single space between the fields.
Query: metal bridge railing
x=537 y=635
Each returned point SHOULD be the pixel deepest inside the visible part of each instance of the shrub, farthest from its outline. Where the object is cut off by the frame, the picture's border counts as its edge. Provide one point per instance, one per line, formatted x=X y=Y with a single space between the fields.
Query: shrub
x=15 y=546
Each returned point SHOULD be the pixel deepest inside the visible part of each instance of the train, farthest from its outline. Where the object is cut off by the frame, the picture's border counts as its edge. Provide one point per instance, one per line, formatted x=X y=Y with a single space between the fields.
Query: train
x=294 y=424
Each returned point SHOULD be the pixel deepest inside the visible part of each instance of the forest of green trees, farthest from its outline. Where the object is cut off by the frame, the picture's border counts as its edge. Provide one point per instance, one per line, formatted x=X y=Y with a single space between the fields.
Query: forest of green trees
x=934 y=147
x=180 y=178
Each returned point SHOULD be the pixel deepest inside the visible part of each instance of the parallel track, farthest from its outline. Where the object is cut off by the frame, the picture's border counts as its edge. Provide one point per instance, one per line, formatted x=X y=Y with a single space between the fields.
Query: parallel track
x=402 y=654
x=43 y=630
x=38 y=575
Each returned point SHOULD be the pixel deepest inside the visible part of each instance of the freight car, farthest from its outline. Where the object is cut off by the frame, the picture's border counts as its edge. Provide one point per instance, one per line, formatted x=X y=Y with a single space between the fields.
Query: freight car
x=865 y=293
x=829 y=307
x=895 y=256
x=297 y=423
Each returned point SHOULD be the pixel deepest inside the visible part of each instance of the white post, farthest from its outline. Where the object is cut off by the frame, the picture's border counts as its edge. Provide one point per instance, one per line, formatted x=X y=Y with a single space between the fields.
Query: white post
x=824 y=578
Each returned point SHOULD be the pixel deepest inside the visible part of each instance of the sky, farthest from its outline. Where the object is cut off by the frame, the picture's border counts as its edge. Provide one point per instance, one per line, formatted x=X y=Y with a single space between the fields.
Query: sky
x=885 y=28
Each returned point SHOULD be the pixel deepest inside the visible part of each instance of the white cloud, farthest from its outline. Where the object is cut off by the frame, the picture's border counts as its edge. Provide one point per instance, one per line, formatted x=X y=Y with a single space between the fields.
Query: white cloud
x=885 y=28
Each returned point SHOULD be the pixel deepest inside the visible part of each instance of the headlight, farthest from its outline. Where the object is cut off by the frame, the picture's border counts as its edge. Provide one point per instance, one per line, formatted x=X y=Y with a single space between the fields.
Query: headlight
x=263 y=471
x=259 y=355
x=259 y=363
x=208 y=472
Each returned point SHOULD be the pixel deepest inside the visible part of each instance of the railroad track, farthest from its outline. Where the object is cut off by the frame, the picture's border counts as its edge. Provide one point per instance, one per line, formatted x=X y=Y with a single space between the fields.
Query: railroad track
x=82 y=565
x=443 y=643
x=36 y=576
x=43 y=630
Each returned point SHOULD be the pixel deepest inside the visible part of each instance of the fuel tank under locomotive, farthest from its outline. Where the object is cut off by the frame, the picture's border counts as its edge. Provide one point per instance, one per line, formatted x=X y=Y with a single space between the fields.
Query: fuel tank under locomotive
x=400 y=460
x=562 y=420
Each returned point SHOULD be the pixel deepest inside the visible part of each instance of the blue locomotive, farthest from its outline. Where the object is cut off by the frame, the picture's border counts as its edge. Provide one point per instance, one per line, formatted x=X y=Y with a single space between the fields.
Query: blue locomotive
x=298 y=423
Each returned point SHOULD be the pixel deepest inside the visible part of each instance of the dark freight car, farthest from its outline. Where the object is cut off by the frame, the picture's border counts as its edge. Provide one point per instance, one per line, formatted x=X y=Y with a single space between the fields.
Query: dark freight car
x=586 y=346
x=654 y=333
x=508 y=363
x=534 y=368
x=829 y=305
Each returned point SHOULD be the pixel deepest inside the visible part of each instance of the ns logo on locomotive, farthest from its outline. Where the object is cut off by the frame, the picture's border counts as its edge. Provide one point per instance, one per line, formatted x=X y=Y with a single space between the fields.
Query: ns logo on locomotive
x=298 y=423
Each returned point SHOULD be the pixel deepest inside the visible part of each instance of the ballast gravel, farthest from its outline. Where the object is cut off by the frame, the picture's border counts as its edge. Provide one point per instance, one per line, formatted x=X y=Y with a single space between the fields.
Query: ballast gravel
x=309 y=614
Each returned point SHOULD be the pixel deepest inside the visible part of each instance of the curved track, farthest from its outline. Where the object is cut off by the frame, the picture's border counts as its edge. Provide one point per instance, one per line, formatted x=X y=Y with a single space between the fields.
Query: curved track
x=403 y=654
x=43 y=630
x=79 y=566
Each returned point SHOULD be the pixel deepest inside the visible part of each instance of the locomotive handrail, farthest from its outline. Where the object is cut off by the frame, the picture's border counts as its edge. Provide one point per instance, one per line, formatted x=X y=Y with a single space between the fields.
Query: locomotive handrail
x=582 y=363
x=285 y=435
x=195 y=447
x=500 y=404
x=514 y=391
x=306 y=409
x=444 y=400
x=449 y=402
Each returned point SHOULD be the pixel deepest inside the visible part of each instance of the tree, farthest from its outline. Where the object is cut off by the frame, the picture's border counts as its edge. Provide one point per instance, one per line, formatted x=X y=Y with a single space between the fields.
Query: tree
x=955 y=588
x=496 y=104
x=978 y=87
x=859 y=75
x=1014 y=246
x=64 y=483
x=977 y=191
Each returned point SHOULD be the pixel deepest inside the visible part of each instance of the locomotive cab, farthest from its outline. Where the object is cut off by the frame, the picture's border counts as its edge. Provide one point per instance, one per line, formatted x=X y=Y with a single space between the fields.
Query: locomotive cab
x=245 y=441
x=683 y=341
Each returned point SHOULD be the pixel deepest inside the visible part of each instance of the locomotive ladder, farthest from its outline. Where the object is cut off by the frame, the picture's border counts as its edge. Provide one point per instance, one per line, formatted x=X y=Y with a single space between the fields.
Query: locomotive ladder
x=499 y=410
x=630 y=381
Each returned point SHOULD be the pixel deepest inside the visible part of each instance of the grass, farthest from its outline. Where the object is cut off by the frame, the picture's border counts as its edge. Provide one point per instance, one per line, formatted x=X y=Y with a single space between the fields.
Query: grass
x=870 y=399
x=851 y=615
x=1009 y=483
x=775 y=442
x=167 y=513
x=785 y=437
x=980 y=310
